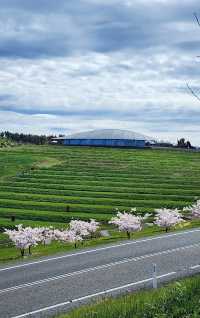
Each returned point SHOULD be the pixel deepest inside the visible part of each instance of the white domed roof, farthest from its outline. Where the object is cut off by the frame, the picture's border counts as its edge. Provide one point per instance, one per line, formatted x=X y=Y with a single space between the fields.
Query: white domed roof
x=108 y=134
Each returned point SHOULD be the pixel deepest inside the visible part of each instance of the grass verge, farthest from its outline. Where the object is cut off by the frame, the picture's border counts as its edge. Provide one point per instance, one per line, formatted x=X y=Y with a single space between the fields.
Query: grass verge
x=8 y=253
x=175 y=300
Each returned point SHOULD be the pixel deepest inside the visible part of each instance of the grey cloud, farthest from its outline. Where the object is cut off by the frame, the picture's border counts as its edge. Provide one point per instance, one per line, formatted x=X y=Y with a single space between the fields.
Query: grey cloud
x=6 y=97
x=98 y=61
x=148 y=114
x=34 y=48
x=87 y=27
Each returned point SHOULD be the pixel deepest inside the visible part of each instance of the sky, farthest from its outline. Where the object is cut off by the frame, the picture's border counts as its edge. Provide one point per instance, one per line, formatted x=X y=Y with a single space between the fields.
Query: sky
x=68 y=66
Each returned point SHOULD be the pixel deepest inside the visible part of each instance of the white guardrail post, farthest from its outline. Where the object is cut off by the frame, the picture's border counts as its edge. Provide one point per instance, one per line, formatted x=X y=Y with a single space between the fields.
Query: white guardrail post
x=155 y=280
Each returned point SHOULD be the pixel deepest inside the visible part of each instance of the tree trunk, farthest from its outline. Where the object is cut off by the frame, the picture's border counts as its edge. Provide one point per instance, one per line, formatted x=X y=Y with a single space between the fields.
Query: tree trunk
x=128 y=235
x=75 y=245
x=166 y=229
x=29 y=250
x=22 y=252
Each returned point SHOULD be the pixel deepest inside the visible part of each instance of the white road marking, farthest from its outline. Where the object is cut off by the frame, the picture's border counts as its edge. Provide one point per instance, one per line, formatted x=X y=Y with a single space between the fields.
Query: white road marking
x=98 y=249
x=91 y=296
x=195 y=266
x=99 y=267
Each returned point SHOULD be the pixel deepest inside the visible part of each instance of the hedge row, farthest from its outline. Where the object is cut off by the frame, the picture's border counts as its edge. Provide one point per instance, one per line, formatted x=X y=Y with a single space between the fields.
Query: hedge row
x=92 y=194
x=102 y=188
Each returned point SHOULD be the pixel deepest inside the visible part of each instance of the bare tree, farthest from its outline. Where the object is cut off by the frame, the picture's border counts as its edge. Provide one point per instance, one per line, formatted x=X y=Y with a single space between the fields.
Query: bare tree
x=188 y=86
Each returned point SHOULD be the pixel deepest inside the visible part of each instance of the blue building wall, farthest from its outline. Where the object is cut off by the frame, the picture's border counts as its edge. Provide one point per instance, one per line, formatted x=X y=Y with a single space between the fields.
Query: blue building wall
x=105 y=142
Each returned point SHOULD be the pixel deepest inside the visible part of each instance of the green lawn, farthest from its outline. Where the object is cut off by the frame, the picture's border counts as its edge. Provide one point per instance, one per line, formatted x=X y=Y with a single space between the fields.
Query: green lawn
x=52 y=184
x=176 y=300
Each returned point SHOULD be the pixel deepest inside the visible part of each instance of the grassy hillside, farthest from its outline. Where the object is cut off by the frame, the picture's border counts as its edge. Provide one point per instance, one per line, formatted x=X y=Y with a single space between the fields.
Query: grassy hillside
x=92 y=182
x=52 y=184
x=14 y=161
x=177 y=300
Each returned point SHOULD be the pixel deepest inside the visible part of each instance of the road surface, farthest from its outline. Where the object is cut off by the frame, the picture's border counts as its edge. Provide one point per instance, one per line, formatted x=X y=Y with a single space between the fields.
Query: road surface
x=47 y=286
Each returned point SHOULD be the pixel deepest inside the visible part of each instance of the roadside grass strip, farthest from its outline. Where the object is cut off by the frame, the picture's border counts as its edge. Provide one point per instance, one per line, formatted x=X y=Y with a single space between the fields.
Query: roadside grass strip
x=174 y=300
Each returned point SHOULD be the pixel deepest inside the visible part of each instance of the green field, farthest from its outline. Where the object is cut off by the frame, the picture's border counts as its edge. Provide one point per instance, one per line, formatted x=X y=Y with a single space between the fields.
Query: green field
x=52 y=184
x=177 y=300
x=43 y=181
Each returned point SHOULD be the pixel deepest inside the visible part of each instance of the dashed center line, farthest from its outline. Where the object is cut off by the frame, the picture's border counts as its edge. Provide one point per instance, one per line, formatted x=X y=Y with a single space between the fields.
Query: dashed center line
x=99 y=267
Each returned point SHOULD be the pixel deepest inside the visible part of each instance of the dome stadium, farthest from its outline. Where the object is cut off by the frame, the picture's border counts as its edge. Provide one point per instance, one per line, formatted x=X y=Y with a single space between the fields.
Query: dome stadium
x=105 y=138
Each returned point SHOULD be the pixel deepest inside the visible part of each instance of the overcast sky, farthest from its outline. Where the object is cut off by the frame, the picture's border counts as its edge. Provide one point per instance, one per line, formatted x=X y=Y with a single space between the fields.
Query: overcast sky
x=73 y=65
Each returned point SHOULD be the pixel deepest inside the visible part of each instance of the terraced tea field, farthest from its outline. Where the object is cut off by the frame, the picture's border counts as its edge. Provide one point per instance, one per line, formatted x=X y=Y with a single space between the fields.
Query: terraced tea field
x=54 y=184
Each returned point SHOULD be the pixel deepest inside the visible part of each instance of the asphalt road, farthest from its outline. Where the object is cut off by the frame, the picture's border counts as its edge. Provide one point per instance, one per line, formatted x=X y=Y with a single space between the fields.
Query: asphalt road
x=48 y=286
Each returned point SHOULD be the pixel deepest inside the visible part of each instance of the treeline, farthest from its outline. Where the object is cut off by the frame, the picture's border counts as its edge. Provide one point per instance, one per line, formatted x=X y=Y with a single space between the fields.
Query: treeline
x=182 y=143
x=26 y=138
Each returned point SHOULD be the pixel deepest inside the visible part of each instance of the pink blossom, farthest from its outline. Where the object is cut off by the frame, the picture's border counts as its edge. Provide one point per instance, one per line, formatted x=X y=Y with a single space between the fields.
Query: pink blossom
x=92 y=226
x=167 y=218
x=70 y=236
x=83 y=228
x=23 y=238
x=79 y=227
x=194 y=209
x=127 y=222
x=45 y=234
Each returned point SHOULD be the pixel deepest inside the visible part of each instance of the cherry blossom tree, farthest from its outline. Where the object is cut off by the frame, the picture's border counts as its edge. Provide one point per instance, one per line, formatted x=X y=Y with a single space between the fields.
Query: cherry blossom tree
x=45 y=234
x=23 y=238
x=18 y=238
x=32 y=237
x=84 y=228
x=79 y=227
x=194 y=209
x=26 y=237
x=70 y=236
x=167 y=218
x=57 y=234
x=127 y=222
x=92 y=226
